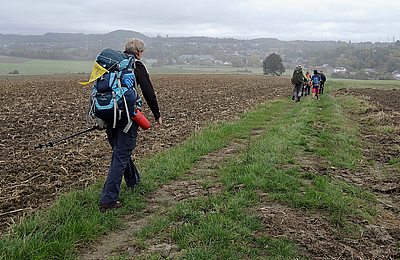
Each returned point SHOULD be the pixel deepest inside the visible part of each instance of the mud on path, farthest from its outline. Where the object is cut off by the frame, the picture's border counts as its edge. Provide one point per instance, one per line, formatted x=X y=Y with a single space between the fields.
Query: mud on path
x=43 y=108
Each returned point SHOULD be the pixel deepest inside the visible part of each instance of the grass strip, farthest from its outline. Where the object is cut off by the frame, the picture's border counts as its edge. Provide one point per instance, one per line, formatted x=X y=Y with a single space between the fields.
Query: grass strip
x=219 y=227
x=354 y=83
x=321 y=132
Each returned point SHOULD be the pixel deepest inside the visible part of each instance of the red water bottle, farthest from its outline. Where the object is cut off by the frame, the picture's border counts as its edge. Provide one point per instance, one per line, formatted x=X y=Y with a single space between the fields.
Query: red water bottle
x=141 y=120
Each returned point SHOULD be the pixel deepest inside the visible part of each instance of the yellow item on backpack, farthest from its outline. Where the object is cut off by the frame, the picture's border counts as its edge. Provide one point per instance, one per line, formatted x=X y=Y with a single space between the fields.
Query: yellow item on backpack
x=97 y=72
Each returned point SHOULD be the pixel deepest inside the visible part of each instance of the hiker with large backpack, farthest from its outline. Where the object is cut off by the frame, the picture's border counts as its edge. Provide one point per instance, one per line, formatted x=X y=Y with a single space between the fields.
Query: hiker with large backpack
x=297 y=81
x=115 y=102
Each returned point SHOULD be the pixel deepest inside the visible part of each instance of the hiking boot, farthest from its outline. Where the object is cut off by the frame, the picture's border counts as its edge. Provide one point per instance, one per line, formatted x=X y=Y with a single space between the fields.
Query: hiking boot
x=105 y=207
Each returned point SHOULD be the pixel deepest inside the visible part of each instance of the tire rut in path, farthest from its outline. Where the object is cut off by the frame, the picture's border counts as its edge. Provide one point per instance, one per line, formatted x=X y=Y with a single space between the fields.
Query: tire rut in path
x=200 y=181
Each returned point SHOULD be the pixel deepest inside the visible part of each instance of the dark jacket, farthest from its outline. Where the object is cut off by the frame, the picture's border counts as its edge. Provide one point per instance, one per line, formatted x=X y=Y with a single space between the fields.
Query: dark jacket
x=323 y=77
x=143 y=80
x=298 y=77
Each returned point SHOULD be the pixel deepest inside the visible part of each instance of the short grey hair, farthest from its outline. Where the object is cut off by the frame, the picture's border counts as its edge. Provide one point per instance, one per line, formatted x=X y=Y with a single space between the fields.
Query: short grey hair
x=134 y=45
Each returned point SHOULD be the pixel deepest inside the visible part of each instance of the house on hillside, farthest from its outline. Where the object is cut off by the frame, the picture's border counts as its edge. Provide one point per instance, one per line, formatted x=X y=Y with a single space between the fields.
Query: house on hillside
x=196 y=59
x=369 y=71
x=339 y=70
x=396 y=74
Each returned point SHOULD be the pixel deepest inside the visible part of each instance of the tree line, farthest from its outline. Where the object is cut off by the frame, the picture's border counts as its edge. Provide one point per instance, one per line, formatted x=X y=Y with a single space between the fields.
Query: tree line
x=379 y=59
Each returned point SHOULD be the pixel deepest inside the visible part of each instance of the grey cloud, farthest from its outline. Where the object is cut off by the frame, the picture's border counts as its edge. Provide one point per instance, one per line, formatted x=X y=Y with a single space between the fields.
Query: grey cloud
x=282 y=19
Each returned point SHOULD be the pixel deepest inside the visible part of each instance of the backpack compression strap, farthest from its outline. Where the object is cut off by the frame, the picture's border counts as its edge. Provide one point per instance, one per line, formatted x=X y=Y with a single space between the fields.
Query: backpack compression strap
x=115 y=109
x=128 y=126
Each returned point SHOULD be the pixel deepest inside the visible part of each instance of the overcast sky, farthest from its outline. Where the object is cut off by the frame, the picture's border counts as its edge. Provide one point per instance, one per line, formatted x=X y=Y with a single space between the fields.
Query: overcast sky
x=355 y=20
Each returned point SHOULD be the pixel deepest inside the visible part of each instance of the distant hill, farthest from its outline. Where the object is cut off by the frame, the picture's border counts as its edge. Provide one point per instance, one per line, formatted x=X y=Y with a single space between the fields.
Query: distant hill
x=125 y=34
x=79 y=46
x=71 y=46
x=67 y=37
x=205 y=50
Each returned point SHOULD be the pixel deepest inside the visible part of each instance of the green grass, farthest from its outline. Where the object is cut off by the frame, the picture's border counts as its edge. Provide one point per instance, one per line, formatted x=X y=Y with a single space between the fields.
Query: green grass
x=354 y=83
x=323 y=135
x=54 y=233
x=197 y=69
x=48 y=67
x=221 y=226
x=217 y=227
x=336 y=134
x=394 y=161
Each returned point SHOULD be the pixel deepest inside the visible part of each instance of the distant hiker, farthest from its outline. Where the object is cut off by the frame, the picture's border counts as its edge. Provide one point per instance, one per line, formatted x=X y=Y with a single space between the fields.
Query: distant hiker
x=297 y=81
x=316 y=81
x=124 y=142
x=307 y=84
x=323 y=79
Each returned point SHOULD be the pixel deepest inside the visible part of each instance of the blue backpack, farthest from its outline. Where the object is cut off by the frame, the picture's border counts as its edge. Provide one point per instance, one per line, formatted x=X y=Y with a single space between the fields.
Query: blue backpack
x=316 y=80
x=114 y=95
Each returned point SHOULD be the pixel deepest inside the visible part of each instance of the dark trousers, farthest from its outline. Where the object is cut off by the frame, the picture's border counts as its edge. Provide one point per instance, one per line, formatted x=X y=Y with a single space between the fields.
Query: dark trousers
x=321 y=88
x=297 y=91
x=307 y=90
x=121 y=163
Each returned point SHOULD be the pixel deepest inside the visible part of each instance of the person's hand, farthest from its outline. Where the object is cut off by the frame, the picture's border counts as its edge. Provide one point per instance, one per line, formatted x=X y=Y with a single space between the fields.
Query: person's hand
x=158 y=122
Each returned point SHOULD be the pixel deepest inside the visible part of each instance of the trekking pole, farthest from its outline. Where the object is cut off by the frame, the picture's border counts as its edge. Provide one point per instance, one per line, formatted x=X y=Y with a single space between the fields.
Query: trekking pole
x=52 y=143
